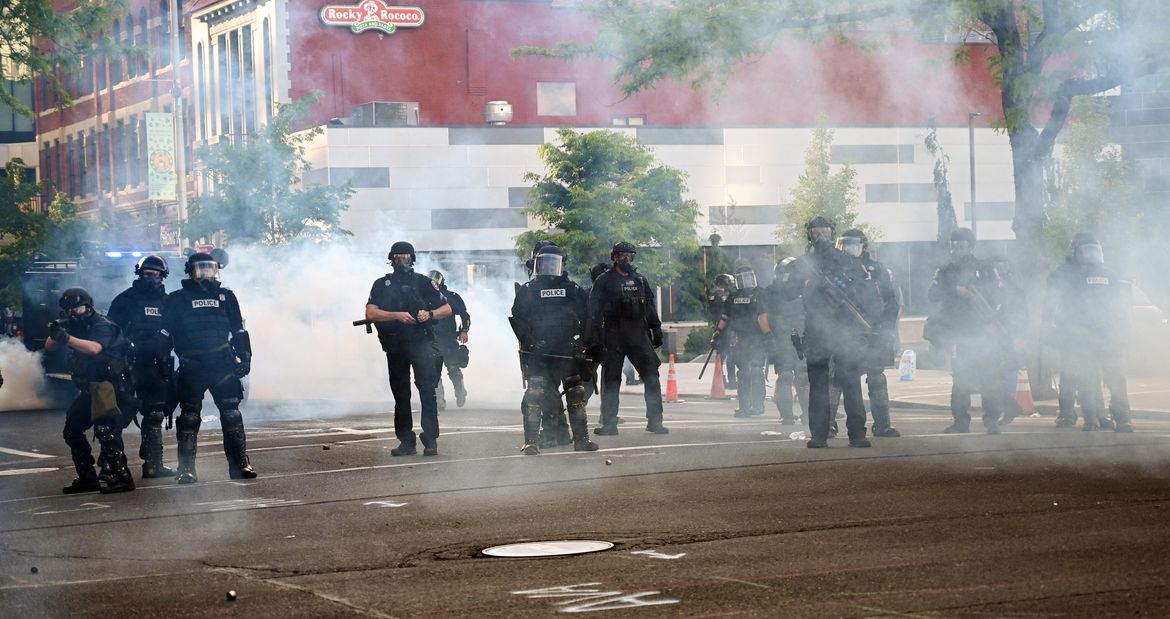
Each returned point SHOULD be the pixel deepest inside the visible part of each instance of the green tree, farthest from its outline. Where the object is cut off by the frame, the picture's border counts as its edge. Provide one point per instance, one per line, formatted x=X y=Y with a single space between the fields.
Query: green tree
x=259 y=194
x=1049 y=51
x=602 y=187
x=38 y=39
x=25 y=232
x=820 y=191
x=947 y=222
x=1091 y=179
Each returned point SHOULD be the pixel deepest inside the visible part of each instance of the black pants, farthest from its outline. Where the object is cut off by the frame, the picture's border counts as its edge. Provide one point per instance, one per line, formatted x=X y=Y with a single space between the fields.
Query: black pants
x=976 y=368
x=448 y=357
x=421 y=357
x=879 y=397
x=635 y=344
x=749 y=362
x=1091 y=368
x=153 y=391
x=107 y=429
x=847 y=376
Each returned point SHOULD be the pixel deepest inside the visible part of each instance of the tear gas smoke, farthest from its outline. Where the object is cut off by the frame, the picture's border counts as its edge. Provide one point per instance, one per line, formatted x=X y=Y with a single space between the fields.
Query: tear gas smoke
x=24 y=378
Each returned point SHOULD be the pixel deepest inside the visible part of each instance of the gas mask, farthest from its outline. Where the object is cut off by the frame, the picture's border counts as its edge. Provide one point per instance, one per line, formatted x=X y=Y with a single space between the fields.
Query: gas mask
x=960 y=249
x=820 y=237
x=625 y=262
x=402 y=263
x=1090 y=253
x=150 y=280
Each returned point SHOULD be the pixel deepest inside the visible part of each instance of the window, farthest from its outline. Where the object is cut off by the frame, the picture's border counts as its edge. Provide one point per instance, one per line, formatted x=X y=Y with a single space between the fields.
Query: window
x=183 y=42
x=133 y=157
x=99 y=66
x=164 y=43
x=117 y=66
x=629 y=121
x=201 y=91
x=556 y=98
x=141 y=44
x=236 y=92
x=119 y=159
x=131 y=57
x=249 y=81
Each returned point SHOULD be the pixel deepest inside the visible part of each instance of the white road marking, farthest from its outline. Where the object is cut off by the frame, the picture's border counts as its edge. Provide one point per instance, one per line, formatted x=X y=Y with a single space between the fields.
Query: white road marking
x=386 y=504
x=85 y=507
x=257 y=503
x=26 y=454
x=10 y=472
x=654 y=554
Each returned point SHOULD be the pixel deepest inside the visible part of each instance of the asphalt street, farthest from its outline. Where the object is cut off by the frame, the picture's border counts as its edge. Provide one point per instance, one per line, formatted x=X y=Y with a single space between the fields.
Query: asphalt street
x=722 y=517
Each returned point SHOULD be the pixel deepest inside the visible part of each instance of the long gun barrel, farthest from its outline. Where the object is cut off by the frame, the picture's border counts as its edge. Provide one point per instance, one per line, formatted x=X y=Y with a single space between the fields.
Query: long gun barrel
x=838 y=297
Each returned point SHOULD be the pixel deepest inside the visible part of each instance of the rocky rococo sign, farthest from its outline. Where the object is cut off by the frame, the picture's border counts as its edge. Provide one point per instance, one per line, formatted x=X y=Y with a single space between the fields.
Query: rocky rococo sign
x=372 y=15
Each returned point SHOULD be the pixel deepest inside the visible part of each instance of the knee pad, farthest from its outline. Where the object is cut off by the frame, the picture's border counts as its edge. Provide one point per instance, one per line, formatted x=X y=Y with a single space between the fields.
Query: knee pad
x=875 y=380
x=153 y=418
x=188 y=420
x=230 y=418
x=73 y=436
x=536 y=388
x=574 y=392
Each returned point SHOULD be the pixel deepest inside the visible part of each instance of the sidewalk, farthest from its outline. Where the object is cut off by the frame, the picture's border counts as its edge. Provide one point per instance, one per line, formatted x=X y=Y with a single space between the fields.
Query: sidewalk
x=930 y=389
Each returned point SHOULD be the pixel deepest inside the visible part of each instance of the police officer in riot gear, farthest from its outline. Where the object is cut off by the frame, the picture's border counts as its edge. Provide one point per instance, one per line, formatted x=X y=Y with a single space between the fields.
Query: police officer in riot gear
x=548 y=317
x=206 y=327
x=841 y=305
x=746 y=315
x=449 y=337
x=968 y=323
x=716 y=308
x=138 y=312
x=105 y=396
x=406 y=306
x=882 y=346
x=623 y=322
x=786 y=317
x=1086 y=309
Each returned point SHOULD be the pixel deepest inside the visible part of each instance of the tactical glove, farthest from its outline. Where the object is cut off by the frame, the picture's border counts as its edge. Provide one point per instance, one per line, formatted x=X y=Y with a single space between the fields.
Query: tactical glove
x=656 y=337
x=243 y=368
x=57 y=333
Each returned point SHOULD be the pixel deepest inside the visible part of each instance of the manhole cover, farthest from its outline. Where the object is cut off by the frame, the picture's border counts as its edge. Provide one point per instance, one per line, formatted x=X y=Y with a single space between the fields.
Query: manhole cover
x=548 y=549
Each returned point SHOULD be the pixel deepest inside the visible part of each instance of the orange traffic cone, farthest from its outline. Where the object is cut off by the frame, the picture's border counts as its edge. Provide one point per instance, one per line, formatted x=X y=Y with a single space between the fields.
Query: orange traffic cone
x=671 y=383
x=717 y=389
x=1024 y=392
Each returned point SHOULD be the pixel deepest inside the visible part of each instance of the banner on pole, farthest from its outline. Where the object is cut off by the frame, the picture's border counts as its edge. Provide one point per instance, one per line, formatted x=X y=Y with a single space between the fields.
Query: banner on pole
x=160 y=147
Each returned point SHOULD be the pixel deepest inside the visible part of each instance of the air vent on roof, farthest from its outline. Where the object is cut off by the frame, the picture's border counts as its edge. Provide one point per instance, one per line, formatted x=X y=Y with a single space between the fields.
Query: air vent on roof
x=385 y=114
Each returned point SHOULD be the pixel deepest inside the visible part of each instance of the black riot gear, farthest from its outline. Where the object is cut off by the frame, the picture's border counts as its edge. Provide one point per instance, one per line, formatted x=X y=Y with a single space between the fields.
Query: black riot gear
x=548 y=317
x=819 y=230
x=402 y=257
x=437 y=277
x=623 y=321
x=745 y=278
x=138 y=311
x=962 y=241
x=852 y=242
x=623 y=255
x=549 y=261
x=201 y=267
x=206 y=327
x=726 y=281
x=152 y=263
x=75 y=297
x=1085 y=249
x=452 y=353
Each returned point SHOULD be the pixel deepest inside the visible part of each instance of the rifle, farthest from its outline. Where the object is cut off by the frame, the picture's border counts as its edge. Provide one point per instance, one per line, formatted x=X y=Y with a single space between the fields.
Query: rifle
x=837 y=296
x=989 y=312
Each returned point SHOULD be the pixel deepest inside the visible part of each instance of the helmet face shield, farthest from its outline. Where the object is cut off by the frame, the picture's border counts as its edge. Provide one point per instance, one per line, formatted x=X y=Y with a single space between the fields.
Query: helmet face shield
x=745 y=279
x=1090 y=253
x=820 y=234
x=205 y=270
x=851 y=245
x=401 y=260
x=549 y=264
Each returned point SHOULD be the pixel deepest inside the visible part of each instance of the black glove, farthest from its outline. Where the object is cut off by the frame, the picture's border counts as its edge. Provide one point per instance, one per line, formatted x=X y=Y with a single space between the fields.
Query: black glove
x=595 y=351
x=656 y=337
x=243 y=367
x=57 y=333
x=715 y=337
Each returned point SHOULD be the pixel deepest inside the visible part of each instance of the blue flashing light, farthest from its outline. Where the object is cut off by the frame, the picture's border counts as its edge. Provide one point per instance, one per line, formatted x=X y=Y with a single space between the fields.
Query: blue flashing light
x=113 y=254
x=136 y=254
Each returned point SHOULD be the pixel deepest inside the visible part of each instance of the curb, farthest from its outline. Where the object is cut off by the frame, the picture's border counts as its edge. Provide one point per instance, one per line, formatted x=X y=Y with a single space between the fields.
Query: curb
x=1045 y=410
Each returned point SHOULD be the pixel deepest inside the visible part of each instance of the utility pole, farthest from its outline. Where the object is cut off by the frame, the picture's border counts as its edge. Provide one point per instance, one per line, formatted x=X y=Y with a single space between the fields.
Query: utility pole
x=971 y=141
x=180 y=127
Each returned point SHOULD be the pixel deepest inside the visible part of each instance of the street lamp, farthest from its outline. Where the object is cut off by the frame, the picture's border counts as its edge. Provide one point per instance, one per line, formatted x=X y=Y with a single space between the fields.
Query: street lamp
x=971 y=142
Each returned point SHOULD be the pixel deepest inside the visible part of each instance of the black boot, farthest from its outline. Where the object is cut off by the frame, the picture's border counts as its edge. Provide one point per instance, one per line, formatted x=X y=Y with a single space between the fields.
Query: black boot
x=151 y=449
x=187 y=446
x=120 y=478
x=579 y=423
x=235 y=448
x=87 y=481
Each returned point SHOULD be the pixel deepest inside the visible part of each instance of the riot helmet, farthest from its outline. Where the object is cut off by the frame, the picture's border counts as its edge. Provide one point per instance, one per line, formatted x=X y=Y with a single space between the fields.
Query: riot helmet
x=549 y=261
x=202 y=267
x=1086 y=249
x=745 y=278
x=152 y=266
x=725 y=281
x=819 y=230
x=962 y=241
x=76 y=303
x=437 y=278
x=623 y=256
x=402 y=256
x=784 y=268
x=852 y=242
